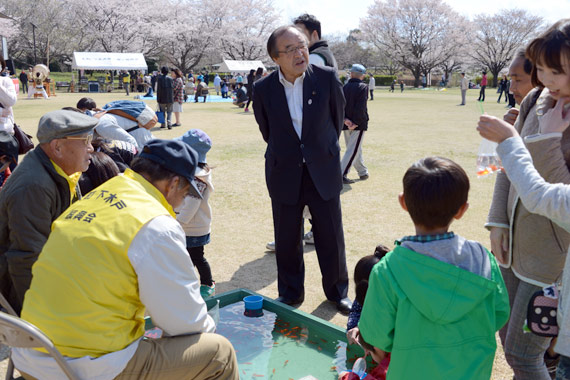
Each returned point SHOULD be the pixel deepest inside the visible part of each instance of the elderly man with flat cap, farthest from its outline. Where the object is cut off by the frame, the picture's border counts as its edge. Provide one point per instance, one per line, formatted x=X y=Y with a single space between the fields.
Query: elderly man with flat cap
x=112 y=257
x=40 y=189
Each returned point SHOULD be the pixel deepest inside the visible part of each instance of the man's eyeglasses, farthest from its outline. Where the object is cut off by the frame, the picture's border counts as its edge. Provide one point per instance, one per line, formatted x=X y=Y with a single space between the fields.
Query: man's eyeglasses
x=292 y=49
x=88 y=139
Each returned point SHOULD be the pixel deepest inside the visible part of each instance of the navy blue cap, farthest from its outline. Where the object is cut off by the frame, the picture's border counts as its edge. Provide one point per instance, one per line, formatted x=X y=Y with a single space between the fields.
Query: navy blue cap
x=8 y=145
x=175 y=156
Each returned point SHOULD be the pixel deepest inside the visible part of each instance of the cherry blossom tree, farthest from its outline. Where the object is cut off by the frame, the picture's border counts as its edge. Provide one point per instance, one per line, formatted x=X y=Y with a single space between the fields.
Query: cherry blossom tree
x=498 y=37
x=245 y=27
x=418 y=34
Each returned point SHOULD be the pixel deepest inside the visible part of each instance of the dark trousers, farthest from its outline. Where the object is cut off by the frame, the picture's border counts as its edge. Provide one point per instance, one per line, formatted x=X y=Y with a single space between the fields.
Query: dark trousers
x=24 y=87
x=202 y=265
x=371 y=94
x=512 y=101
x=329 y=243
x=482 y=93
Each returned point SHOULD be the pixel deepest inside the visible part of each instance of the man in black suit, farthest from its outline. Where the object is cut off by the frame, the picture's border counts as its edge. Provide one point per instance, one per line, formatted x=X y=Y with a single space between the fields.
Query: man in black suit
x=300 y=112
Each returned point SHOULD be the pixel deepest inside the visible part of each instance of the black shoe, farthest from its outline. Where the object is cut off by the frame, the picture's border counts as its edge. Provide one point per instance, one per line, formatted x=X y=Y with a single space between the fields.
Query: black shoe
x=162 y=126
x=364 y=177
x=347 y=181
x=169 y=126
x=290 y=302
x=344 y=306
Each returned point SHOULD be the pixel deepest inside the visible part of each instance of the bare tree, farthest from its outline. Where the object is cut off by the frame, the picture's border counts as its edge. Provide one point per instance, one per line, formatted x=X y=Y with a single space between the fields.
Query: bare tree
x=498 y=37
x=418 y=34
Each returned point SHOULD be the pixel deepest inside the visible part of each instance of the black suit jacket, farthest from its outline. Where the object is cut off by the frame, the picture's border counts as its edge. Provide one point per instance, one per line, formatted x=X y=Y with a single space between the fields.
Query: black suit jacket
x=323 y=115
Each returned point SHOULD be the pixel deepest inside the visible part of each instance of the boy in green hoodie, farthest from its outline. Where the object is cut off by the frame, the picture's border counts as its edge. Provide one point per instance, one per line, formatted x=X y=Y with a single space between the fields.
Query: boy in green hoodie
x=435 y=301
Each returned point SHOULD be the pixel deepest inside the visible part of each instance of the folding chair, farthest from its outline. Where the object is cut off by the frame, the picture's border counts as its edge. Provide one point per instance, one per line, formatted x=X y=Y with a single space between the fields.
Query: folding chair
x=16 y=332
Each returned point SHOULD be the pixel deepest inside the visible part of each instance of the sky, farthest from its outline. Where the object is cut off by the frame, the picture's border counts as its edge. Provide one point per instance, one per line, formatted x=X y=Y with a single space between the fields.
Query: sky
x=340 y=16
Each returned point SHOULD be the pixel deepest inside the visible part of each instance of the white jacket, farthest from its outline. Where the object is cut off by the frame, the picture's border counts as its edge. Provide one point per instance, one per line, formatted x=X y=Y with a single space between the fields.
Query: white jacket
x=195 y=215
x=8 y=97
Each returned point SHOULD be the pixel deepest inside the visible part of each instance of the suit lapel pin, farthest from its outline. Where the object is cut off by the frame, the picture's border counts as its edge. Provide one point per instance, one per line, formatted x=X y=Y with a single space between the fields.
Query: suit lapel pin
x=314 y=93
x=310 y=101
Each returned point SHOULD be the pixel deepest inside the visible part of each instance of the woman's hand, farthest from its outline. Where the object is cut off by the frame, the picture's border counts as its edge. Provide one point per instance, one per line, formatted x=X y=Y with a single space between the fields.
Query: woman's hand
x=500 y=244
x=555 y=119
x=495 y=129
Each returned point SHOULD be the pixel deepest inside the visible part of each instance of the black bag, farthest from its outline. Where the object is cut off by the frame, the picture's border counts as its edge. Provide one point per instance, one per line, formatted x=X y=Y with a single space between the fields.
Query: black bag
x=25 y=142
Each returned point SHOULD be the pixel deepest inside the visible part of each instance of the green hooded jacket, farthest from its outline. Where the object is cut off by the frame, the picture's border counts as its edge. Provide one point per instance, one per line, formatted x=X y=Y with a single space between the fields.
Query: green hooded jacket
x=437 y=320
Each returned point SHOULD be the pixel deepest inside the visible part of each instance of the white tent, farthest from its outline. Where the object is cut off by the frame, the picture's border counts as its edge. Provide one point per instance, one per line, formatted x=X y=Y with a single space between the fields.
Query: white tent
x=108 y=61
x=232 y=66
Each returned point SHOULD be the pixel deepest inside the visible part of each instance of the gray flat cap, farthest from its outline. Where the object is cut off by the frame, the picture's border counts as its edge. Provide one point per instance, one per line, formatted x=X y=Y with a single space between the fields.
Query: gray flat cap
x=62 y=123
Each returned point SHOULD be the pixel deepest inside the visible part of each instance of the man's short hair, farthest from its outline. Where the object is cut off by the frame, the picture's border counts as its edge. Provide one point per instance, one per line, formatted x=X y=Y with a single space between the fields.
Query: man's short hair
x=527 y=66
x=272 y=40
x=310 y=22
x=164 y=70
x=435 y=188
x=154 y=171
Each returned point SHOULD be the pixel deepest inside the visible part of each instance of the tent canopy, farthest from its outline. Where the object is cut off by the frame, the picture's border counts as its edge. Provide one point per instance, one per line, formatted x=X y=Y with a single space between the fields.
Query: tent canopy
x=108 y=61
x=231 y=66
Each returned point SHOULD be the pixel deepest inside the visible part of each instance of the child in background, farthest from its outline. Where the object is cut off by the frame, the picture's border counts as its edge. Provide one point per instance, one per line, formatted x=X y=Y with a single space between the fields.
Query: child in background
x=361 y=275
x=195 y=215
x=435 y=301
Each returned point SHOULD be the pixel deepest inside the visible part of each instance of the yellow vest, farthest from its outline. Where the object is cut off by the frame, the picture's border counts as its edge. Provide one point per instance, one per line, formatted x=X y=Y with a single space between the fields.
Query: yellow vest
x=84 y=292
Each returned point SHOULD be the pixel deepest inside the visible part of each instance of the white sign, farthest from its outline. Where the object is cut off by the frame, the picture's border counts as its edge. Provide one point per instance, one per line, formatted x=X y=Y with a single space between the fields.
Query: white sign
x=108 y=61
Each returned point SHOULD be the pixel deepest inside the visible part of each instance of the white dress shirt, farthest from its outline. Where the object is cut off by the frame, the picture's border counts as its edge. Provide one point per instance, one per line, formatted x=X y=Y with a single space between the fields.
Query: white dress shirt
x=294 y=95
x=169 y=289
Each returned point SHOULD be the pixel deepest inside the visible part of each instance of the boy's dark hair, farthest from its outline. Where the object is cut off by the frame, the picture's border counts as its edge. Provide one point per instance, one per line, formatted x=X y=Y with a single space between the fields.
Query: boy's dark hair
x=549 y=48
x=86 y=103
x=164 y=70
x=310 y=22
x=435 y=188
x=363 y=269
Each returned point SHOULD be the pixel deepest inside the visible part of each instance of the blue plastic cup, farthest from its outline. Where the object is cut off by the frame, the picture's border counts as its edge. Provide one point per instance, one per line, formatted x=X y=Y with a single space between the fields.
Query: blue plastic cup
x=253 y=306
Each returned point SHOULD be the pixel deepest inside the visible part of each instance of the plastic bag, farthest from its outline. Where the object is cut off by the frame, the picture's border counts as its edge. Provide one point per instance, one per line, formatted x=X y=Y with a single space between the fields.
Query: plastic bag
x=488 y=161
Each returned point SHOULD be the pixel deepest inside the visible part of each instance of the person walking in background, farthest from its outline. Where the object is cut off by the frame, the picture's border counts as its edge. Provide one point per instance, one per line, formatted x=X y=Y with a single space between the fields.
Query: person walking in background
x=503 y=88
x=24 y=81
x=393 y=85
x=165 y=96
x=401 y=86
x=483 y=87
x=355 y=123
x=464 y=85
x=371 y=85
x=178 y=92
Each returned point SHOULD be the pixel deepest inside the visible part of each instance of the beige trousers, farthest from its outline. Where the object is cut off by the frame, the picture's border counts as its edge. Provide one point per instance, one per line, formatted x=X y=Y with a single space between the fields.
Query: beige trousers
x=200 y=357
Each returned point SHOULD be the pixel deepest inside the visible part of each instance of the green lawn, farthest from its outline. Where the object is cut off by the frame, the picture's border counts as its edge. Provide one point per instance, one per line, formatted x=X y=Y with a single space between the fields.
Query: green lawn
x=404 y=127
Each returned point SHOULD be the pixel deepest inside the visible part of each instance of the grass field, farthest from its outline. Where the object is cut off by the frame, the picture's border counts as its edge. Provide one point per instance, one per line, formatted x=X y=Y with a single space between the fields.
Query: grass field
x=403 y=128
